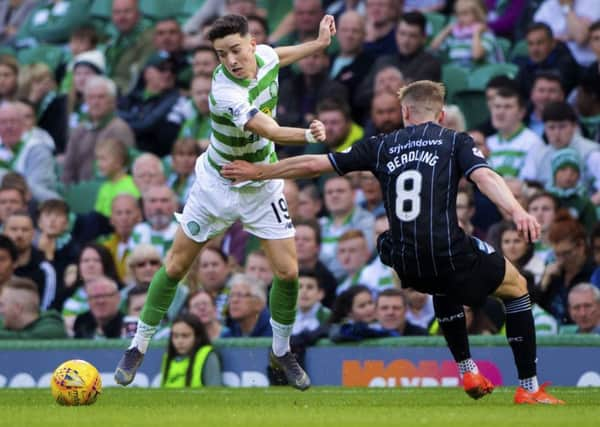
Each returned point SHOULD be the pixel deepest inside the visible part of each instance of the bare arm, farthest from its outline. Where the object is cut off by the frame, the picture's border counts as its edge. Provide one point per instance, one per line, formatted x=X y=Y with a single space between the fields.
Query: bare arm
x=290 y=54
x=436 y=43
x=493 y=186
x=577 y=27
x=477 y=49
x=264 y=125
x=306 y=166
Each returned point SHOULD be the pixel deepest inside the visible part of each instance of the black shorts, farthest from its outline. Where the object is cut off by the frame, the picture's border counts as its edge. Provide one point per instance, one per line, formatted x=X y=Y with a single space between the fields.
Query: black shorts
x=477 y=274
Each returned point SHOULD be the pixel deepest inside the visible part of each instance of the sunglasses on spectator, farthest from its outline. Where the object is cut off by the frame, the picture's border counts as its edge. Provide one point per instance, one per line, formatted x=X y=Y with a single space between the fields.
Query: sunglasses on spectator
x=151 y=262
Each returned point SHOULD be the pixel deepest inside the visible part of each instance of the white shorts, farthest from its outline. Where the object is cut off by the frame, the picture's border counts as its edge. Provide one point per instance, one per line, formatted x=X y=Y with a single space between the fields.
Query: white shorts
x=213 y=205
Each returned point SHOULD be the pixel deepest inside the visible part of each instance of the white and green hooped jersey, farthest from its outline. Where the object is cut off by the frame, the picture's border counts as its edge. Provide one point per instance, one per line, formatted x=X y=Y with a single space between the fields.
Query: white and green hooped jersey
x=507 y=156
x=233 y=102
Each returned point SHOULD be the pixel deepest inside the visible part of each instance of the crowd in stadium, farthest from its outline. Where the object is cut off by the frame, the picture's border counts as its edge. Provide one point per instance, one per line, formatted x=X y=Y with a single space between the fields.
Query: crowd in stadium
x=104 y=108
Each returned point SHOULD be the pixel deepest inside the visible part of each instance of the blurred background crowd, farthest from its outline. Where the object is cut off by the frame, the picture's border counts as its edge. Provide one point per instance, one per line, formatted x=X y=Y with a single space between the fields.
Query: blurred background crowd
x=104 y=110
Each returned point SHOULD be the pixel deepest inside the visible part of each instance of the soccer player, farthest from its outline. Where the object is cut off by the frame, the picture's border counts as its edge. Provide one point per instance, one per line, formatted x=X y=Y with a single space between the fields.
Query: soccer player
x=243 y=101
x=419 y=168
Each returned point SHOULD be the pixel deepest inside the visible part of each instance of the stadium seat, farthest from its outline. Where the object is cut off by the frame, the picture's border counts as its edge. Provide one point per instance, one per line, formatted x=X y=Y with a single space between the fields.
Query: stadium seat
x=591 y=125
x=7 y=50
x=276 y=11
x=519 y=50
x=479 y=77
x=504 y=45
x=157 y=9
x=435 y=24
x=101 y=9
x=81 y=197
x=455 y=78
x=48 y=54
x=473 y=105
x=190 y=7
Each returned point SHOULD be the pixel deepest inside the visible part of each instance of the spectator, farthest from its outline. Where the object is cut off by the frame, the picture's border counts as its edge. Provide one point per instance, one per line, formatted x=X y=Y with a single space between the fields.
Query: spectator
x=465 y=209
x=190 y=360
x=159 y=227
x=31 y=262
x=248 y=312
x=311 y=315
x=351 y=65
x=83 y=40
x=594 y=42
x=128 y=50
x=55 y=240
x=299 y=95
x=584 y=308
x=258 y=27
x=306 y=15
x=467 y=42
x=566 y=187
x=100 y=97
x=202 y=305
x=547 y=89
x=595 y=239
x=143 y=261
x=341 y=131
x=353 y=317
x=12 y=16
x=204 y=61
x=570 y=20
x=257 y=266
x=39 y=87
x=390 y=312
x=33 y=134
x=8 y=259
x=352 y=254
x=572 y=265
x=94 y=262
x=388 y=79
x=197 y=127
x=104 y=319
x=210 y=271
x=503 y=17
x=343 y=216
x=560 y=127
x=85 y=65
x=31 y=158
x=521 y=253
x=485 y=320
x=112 y=159
x=12 y=199
x=371 y=190
x=52 y=22
x=380 y=24
x=454 y=118
x=134 y=303
x=587 y=102
x=148 y=171
x=386 y=114
x=491 y=90
x=154 y=111
x=184 y=155
x=20 y=313
x=309 y=202
x=513 y=141
x=9 y=72
x=545 y=53
x=411 y=58
x=543 y=207
x=168 y=38
x=308 y=242
x=424 y=6
x=420 y=308
x=124 y=215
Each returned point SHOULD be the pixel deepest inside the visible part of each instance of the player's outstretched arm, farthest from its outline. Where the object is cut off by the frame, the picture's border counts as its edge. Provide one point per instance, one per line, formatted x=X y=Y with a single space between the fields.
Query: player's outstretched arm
x=290 y=54
x=306 y=166
x=493 y=186
x=265 y=126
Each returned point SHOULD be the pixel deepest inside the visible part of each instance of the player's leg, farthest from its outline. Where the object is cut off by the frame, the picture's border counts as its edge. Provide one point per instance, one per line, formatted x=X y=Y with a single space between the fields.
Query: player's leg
x=160 y=295
x=451 y=318
x=282 y=304
x=520 y=332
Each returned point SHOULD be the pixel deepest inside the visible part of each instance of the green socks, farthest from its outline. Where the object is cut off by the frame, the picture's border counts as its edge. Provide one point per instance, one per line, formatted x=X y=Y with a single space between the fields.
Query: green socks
x=160 y=295
x=283 y=298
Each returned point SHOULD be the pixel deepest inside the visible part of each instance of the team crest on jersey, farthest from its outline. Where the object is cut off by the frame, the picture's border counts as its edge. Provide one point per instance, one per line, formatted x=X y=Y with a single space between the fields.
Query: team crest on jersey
x=478 y=153
x=193 y=227
x=273 y=88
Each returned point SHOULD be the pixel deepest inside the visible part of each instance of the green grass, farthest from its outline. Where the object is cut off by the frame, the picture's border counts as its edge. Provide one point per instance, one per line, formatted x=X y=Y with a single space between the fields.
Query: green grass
x=283 y=407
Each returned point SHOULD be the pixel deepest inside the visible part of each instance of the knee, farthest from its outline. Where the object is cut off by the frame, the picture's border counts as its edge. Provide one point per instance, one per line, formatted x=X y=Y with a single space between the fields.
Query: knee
x=287 y=272
x=175 y=267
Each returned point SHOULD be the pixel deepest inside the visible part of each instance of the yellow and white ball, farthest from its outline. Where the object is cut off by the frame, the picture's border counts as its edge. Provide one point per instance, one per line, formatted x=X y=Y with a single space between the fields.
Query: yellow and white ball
x=76 y=382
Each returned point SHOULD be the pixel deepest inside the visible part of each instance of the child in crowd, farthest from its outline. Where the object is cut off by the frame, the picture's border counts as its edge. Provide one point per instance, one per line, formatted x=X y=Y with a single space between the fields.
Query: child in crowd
x=568 y=189
x=183 y=156
x=311 y=314
x=353 y=316
x=112 y=159
x=190 y=360
x=467 y=41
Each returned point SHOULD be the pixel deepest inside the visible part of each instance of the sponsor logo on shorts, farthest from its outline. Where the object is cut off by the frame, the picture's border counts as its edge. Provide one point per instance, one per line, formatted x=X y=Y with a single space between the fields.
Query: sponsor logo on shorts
x=193 y=227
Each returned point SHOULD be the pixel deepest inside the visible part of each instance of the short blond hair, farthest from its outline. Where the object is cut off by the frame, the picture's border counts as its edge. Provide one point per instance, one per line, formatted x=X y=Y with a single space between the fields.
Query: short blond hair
x=423 y=95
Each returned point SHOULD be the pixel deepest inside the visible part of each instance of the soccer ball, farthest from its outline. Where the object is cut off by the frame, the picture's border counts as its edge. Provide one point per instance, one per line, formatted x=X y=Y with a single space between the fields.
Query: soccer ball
x=76 y=382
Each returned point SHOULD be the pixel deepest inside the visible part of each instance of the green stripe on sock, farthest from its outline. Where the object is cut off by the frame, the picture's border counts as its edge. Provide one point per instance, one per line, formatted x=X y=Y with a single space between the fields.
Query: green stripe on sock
x=160 y=295
x=283 y=298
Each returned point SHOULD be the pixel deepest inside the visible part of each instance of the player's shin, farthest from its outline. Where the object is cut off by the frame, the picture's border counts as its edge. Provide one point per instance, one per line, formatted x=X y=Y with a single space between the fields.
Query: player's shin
x=160 y=295
x=520 y=332
x=283 y=298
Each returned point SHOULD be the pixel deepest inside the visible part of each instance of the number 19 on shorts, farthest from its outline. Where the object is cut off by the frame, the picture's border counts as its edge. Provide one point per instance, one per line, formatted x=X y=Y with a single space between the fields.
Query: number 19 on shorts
x=408 y=195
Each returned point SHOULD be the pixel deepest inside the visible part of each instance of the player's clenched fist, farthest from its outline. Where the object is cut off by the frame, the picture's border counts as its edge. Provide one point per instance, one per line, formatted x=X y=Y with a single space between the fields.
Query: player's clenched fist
x=317 y=130
x=326 y=29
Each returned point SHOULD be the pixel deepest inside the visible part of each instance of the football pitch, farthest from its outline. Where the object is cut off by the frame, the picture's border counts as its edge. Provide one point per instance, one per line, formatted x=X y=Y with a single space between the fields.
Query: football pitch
x=283 y=407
